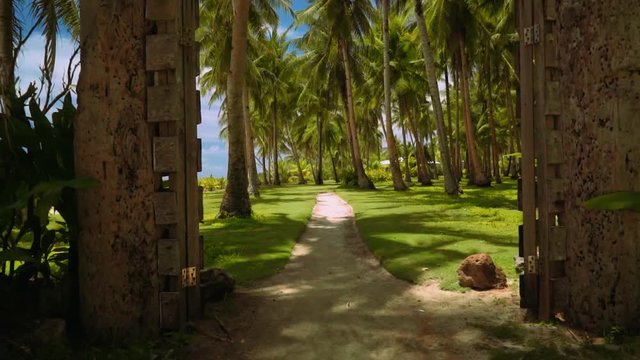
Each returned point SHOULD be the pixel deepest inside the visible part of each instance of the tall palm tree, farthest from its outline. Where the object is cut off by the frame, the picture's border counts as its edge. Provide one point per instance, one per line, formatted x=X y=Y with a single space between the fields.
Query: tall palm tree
x=342 y=20
x=396 y=174
x=48 y=16
x=235 y=201
x=450 y=183
x=454 y=23
x=7 y=78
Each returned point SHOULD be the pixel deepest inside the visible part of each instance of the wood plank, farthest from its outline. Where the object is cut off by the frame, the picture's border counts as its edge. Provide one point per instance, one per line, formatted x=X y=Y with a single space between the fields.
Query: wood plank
x=170 y=310
x=162 y=103
x=168 y=257
x=192 y=199
x=199 y=155
x=553 y=100
x=165 y=208
x=196 y=56
x=165 y=154
x=551 y=52
x=161 y=9
x=556 y=189
x=161 y=52
x=555 y=152
x=560 y=288
x=201 y=203
x=557 y=243
x=529 y=284
x=550 y=10
x=199 y=107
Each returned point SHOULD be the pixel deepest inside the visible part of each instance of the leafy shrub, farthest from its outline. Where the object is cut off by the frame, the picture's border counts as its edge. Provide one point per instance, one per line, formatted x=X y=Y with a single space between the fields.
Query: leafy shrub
x=38 y=156
x=211 y=183
x=349 y=178
x=379 y=174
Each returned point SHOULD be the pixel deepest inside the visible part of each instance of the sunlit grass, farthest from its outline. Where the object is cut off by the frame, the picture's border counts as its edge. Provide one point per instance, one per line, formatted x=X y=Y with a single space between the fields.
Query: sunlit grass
x=252 y=249
x=424 y=234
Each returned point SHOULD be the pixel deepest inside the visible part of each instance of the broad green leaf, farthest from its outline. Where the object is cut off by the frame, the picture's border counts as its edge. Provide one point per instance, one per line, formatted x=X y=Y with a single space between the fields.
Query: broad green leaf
x=627 y=200
x=16 y=254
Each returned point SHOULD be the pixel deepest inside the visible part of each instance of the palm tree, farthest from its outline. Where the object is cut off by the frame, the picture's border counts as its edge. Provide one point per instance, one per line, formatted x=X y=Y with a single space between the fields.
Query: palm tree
x=341 y=20
x=48 y=14
x=396 y=174
x=235 y=202
x=450 y=183
x=453 y=23
x=7 y=78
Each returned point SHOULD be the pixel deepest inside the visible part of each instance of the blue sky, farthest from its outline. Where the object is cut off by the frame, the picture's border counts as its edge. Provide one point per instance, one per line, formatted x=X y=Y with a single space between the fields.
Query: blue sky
x=214 y=149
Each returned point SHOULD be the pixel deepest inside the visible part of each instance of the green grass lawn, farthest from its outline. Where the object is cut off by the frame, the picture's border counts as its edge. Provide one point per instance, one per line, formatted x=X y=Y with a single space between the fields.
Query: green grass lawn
x=418 y=235
x=424 y=234
x=252 y=249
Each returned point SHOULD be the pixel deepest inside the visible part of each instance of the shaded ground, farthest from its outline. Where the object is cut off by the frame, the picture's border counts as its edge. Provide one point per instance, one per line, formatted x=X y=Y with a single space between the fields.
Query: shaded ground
x=334 y=301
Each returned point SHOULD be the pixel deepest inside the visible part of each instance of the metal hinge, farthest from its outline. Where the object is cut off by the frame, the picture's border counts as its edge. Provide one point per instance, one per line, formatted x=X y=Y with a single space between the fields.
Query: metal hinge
x=532 y=267
x=189 y=277
x=532 y=35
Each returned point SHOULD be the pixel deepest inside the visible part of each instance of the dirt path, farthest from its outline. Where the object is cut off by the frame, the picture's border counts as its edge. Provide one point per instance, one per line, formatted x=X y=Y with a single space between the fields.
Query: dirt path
x=333 y=301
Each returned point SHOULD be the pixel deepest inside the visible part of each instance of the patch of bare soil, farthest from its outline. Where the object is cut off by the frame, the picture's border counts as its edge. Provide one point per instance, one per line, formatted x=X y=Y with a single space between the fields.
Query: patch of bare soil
x=334 y=301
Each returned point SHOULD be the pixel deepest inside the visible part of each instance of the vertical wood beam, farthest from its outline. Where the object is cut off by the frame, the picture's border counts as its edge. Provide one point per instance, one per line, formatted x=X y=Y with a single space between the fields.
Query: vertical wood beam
x=530 y=285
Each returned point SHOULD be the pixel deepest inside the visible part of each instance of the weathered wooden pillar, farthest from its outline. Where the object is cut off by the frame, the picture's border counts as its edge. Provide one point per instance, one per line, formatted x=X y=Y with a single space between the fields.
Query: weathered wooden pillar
x=599 y=80
x=140 y=250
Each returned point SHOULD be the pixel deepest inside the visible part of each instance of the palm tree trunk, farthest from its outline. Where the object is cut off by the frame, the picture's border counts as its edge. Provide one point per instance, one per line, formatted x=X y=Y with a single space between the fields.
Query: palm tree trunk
x=335 y=170
x=274 y=129
x=479 y=178
x=7 y=79
x=514 y=138
x=363 y=180
x=265 y=170
x=421 y=161
x=319 y=124
x=458 y=114
x=396 y=174
x=492 y=124
x=407 y=169
x=434 y=173
x=252 y=169
x=450 y=184
x=235 y=202
x=450 y=132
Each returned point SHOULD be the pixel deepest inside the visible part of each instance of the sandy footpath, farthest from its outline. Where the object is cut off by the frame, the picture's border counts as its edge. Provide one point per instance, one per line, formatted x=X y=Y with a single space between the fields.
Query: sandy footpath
x=334 y=301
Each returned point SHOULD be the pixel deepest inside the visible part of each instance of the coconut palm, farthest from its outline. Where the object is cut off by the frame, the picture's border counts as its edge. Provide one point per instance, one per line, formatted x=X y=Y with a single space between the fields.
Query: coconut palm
x=340 y=21
x=396 y=174
x=450 y=183
x=48 y=15
x=454 y=25
x=235 y=201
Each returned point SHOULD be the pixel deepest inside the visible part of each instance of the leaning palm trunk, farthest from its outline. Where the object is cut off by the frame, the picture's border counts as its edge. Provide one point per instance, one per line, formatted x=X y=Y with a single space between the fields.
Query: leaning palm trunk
x=318 y=178
x=7 y=80
x=407 y=169
x=424 y=177
x=514 y=136
x=235 y=202
x=274 y=129
x=492 y=124
x=478 y=176
x=363 y=180
x=252 y=169
x=396 y=174
x=450 y=183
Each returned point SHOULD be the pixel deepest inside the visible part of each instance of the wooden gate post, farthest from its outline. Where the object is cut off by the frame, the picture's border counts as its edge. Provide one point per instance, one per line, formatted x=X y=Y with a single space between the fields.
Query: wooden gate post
x=172 y=60
x=543 y=236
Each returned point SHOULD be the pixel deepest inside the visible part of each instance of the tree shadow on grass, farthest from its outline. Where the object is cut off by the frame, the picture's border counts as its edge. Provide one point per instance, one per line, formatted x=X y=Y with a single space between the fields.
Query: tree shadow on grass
x=250 y=249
